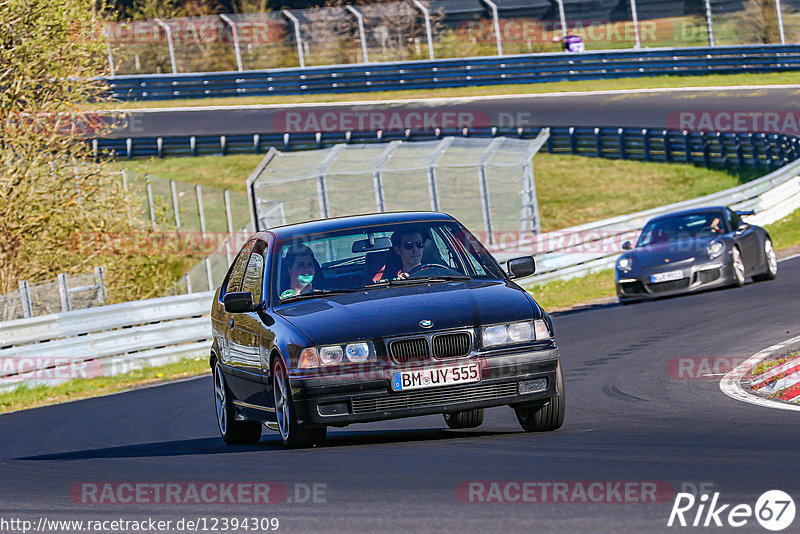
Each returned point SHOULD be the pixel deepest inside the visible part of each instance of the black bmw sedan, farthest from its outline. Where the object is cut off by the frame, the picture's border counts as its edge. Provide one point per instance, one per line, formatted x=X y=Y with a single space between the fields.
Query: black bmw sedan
x=693 y=250
x=376 y=317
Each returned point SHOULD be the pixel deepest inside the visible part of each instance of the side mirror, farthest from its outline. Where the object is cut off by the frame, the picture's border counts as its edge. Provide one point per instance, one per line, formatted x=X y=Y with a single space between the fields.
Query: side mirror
x=239 y=302
x=627 y=245
x=521 y=267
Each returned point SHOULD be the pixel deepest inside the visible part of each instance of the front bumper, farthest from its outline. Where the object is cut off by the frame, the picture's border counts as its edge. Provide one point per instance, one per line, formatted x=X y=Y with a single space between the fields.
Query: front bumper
x=352 y=399
x=698 y=277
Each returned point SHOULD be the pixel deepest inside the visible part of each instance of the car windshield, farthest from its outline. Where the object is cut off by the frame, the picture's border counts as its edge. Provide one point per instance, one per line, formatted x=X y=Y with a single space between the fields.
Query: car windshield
x=377 y=256
x=688 y=226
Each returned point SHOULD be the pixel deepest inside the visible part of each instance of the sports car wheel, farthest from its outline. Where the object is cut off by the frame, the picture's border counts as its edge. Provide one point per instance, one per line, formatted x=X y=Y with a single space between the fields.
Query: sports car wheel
x=547 y=417
x=232 y=431
x=465 y=419
x=293 y=435
x=771 y=259
x=738 y=267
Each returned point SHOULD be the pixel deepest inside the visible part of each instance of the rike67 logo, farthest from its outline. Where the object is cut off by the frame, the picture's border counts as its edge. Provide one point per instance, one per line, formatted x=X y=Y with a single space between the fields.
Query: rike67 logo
x=774 y=510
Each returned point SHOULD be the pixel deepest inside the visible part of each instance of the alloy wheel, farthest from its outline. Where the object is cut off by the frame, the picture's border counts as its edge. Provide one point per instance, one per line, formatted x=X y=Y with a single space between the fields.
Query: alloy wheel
x=219 y=398
x=281 y=400
x=738 y=266
x=772 y=258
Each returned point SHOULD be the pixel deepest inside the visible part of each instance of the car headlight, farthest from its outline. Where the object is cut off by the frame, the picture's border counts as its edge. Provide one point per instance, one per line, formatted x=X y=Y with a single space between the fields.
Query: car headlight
x=715 y=248
x=624 y=264
x=329 y=355
x=504 y=334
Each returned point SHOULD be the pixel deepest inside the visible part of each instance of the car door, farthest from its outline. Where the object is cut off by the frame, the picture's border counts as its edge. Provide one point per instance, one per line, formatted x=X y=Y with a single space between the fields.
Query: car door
x=247 y=330
x=747 y=238
x=224 y=327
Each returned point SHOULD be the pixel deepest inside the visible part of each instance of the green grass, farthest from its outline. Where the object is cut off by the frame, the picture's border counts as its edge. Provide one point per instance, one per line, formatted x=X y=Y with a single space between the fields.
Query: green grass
x=224 y=172
x=564 y=294
x=786 y=232
x=31 y=397
x=530 y=88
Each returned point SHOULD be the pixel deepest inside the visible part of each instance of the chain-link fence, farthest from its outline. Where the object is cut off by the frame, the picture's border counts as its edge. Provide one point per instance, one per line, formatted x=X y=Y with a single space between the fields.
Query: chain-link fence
x=488 y=184
x=436 y=29
x=67 y=292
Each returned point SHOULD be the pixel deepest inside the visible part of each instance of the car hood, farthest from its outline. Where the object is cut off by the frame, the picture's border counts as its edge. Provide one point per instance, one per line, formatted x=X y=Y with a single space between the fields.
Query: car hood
x=684 y=250
x=392 y=311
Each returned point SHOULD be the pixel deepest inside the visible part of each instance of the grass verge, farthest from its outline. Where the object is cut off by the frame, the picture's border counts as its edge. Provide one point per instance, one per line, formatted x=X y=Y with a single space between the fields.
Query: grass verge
x=32 y=397
x=654 y=82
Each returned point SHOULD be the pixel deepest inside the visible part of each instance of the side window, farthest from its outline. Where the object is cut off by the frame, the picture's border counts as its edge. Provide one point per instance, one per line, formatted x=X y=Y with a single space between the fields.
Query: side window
x=254 y=276
x=237 y=271
x=445 y=252
x=734 y=219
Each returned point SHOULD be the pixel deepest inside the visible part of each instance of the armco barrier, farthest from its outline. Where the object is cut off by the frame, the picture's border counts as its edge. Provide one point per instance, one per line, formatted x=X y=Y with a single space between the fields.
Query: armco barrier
x=528 y=68
x=708 y=149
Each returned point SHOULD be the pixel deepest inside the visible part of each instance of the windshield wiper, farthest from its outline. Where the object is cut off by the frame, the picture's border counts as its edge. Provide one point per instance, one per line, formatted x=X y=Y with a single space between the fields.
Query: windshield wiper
x=418 y=280
x=319 y=293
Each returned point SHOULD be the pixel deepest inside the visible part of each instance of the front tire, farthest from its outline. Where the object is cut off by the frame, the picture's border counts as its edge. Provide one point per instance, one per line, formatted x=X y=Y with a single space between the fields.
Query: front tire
x=771 y=259
x=232 y=431
x=547 y=417
x=737 y=264
x=465 y=419
x=293 y=435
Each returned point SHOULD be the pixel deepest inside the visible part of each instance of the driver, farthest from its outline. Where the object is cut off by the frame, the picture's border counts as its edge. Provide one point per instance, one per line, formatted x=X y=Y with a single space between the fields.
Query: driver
x=300 y=268
x=408 y=245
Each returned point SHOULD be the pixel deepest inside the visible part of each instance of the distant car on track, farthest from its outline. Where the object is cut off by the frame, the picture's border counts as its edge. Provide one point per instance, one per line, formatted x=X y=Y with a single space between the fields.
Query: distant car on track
x=693 y=250
x=376 y=317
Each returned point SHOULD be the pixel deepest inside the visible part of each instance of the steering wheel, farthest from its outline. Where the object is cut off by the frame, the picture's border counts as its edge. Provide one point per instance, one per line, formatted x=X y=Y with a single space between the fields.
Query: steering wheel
x=423 y=266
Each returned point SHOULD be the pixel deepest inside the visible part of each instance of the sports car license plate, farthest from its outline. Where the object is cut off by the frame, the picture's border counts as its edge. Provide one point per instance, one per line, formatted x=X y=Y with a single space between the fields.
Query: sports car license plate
x=668 y=276
x=436 y=376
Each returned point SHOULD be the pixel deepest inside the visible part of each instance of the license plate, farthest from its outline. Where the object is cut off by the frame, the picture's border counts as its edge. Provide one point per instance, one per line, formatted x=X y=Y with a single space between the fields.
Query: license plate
x=668 y=276
x=436 y=376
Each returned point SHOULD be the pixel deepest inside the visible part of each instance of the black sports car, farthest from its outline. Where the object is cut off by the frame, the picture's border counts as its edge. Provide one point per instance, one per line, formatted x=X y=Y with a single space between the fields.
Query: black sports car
x=694 y=250
x=375 y=317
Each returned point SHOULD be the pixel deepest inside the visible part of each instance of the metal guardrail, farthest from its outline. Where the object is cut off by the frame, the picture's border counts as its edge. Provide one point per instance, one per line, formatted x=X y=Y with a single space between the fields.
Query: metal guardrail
x=528 y=68
x=708 y=149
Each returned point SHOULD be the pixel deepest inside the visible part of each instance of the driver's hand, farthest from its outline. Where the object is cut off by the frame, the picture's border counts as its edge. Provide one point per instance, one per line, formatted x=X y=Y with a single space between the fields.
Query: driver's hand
x=402 y=276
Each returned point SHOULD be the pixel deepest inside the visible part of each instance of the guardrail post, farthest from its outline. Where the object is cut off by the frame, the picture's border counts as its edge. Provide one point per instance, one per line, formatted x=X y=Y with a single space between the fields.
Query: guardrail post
x=739 y=152
x=100 y=277
x=623 y=150
x=687 y=147
x=573 y=142
x=297 y=36
x=63 y=289
x=175 y=205
x=193 y=146
x=428 y=32
x=25 y=299
x=755 y=151
x=256 y=144
x=170 y=43
x=706 y=151
x=235 y=34
x=667 y=147
x=598 y=142
x=199 y=191
x=709 y=23
x=646 y=144
x=723 y=150
x=150 y=202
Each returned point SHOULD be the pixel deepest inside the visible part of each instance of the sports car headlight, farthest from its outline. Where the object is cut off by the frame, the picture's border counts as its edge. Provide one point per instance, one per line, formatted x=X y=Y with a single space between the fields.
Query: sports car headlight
x=504 y=334
x=624 y=264
x=715 y=248
x=336 y=355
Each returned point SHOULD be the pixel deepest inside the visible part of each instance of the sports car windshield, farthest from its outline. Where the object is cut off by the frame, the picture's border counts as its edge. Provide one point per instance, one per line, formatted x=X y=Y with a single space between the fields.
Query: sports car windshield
x=689 y=226
x=375 y=257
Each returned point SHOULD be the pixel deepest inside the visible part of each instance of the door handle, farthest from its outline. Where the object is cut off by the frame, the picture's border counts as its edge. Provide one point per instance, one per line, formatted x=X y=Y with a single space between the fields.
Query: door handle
x=231 y=323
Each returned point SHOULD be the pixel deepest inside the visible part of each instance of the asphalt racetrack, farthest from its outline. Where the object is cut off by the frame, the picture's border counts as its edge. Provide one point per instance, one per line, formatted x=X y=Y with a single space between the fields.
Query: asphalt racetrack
x=629 y=420
x=652 y=108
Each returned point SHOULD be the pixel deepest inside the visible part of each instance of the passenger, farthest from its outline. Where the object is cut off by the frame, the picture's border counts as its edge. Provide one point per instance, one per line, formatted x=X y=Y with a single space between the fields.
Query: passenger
x=300 y=269
x=714 y=226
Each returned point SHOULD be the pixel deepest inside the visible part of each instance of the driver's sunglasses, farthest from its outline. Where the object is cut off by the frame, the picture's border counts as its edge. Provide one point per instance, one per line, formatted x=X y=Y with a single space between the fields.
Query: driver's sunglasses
x=408 y=245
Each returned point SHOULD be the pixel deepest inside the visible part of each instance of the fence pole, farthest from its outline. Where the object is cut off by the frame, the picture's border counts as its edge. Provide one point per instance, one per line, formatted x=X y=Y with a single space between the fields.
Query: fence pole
x=562 y=17
x=297 y=37
x=780 y=22
x=188 y=284
x=150 y=202
x=496 y=22
x=111 y=68
x=235 y=33
x=25 y=298
x=428 y=32
x=100 y=277
x=175 y=205
x=228 y=216
x=170 y=43
x=709 y=23
x=127 y=195
x=635 y=17
x=199 y=192
x=208 y=274
x=361 y=32
x=63 y=289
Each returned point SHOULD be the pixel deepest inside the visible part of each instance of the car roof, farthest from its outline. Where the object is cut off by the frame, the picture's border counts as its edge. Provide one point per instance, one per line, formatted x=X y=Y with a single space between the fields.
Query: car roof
x=689 y=212
x=334 y=224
